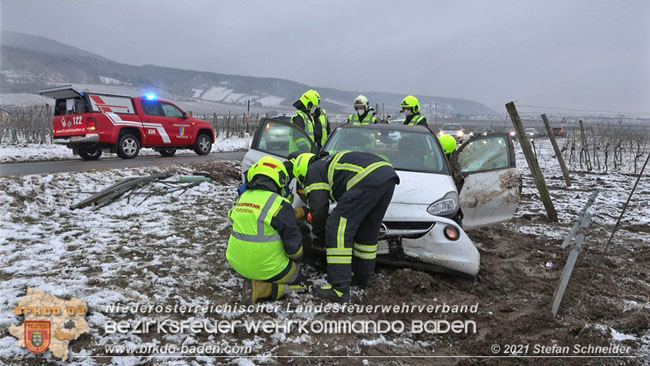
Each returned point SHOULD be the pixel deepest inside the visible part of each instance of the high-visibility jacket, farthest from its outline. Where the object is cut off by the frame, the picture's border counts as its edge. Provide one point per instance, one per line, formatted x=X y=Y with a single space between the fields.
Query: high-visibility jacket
x=367 y=120
x=297 y=142
x=331 y=177
x=417 y=120
x=255 y=248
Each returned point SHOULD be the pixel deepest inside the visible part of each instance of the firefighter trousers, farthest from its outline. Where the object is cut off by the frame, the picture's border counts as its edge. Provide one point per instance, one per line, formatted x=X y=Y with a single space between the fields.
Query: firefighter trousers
x=353 y=232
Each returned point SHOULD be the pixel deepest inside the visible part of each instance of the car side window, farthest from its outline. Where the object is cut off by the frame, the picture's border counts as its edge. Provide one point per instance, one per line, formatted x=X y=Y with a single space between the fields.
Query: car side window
x=483 y=154
x=171 y=111
x=152 y=108
x=281 y=139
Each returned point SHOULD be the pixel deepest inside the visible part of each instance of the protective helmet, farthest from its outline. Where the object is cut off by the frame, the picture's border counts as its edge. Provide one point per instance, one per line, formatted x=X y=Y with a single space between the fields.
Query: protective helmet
x=300 y=166
x=310 y=100
x=411 y=102
x=361 y=101
x=272 y=168
x=448 y=143
x=316 y=95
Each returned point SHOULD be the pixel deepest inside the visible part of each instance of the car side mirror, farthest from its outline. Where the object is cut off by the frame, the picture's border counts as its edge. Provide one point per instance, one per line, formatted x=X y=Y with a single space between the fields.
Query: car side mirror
x=184 y=115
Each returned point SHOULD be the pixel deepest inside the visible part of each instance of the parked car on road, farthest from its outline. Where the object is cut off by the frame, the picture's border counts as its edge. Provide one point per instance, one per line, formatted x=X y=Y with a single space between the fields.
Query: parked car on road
x=90 y=123
x=531 y=132
x=481 y=131
x=424 y=214
x=559 y=132
x=453 y=129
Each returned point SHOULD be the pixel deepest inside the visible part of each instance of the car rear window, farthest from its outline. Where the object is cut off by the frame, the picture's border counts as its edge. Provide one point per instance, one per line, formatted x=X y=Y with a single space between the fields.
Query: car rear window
x=68 y=106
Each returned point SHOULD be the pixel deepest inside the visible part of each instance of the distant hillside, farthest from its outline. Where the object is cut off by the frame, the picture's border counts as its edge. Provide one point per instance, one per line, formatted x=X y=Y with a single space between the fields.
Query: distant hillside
x=29 y=63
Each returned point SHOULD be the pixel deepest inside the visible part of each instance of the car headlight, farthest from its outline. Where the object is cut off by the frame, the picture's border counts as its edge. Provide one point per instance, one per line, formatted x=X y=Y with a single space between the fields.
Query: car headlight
x=460 y=134
x=446 y=206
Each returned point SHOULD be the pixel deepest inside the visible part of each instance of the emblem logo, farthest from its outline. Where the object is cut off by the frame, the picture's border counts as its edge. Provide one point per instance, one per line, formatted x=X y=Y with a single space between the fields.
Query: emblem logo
x=37 y=335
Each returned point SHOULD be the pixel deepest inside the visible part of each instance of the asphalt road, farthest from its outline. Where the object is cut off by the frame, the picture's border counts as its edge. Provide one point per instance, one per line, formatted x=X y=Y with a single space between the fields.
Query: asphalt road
x=57 y=166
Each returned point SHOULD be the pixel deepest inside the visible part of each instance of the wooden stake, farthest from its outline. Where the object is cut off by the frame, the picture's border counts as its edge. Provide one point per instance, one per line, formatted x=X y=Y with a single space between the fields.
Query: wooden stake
x=558 y=153
x=532 y=162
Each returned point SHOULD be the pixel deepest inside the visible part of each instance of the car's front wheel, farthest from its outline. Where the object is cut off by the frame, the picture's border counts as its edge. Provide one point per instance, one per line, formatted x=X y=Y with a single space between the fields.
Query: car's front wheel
x=128 y=146
x=90 y=154
x=203 y=144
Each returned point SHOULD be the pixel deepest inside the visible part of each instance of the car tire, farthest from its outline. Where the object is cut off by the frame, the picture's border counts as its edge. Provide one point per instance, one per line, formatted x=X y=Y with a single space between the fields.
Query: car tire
x=203 y=144
x=90 y=154
x=128 y=146
x=167 y=152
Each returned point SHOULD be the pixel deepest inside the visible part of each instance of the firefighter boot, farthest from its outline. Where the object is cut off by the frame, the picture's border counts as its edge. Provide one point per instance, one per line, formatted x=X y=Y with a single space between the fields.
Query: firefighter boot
x=361 y=280
x=338 y=294
x=256 y=291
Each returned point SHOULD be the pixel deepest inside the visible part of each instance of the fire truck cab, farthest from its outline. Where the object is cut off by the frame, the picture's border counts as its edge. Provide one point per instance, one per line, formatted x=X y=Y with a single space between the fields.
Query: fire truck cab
x=90 y=123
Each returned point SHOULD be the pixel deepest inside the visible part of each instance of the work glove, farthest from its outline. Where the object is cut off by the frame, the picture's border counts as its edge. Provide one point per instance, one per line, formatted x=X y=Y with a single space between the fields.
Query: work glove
x=302 y=212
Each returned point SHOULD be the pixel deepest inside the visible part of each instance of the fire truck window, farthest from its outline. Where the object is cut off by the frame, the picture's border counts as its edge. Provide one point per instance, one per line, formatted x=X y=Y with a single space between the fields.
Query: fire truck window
x=79 y=106
x=152 y=108
x=171 y=111
x=59 y=108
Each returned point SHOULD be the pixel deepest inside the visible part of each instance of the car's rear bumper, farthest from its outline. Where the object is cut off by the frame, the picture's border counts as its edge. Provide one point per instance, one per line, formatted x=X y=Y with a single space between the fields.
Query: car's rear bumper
x=84 y=139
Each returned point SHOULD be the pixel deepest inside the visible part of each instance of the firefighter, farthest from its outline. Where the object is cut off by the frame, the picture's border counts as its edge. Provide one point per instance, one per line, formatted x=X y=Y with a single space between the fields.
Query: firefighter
x=448 y=143
x=411 y=109
x=265 y=245
x=363 y=114
x=321 y=124
x=303 y=119
x=362 y=186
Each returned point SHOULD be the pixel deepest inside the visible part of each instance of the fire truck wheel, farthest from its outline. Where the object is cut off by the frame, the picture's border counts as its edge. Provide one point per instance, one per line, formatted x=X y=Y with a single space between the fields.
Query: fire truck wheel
x=90 y=154
x=128 y=146
x=203 y=144
x=167 y=152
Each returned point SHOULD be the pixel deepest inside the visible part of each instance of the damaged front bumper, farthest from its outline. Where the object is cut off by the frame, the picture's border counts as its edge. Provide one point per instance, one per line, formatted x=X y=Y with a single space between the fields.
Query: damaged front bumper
x=434 y=250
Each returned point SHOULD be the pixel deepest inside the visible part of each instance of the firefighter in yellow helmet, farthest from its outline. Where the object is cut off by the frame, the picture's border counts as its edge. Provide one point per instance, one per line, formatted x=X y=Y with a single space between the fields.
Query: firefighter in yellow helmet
x=303 y=119
x=411 y=109
x=362 y=112
x=265 y=245
x=321 y=123
x=362 y=185
x=448 y=143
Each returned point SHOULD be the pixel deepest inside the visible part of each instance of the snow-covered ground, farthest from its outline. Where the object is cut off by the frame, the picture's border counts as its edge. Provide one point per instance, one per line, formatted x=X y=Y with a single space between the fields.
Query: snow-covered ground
x=36 y=152
x=614 y=188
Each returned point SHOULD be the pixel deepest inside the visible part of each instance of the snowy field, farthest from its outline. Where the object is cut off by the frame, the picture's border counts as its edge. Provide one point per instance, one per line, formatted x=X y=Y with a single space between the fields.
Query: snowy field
x=171 y=250
x=37 y=152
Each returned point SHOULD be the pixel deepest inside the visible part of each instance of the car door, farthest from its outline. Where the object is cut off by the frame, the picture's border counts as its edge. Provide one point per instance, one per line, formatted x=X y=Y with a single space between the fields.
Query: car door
x=491 y=182
x=272 y=137
x=178 y=128
x=153 y=122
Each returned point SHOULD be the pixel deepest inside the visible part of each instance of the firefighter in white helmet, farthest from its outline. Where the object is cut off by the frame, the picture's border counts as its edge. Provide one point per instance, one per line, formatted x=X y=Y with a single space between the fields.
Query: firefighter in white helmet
x=363 y=115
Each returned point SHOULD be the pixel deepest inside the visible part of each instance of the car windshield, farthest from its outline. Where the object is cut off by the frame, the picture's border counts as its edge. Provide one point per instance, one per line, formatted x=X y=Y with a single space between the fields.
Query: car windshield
x=481 y=129
x=412 y=151
x=451 y=127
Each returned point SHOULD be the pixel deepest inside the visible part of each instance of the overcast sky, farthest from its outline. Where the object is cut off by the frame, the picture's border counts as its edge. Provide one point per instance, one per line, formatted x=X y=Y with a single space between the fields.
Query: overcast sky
x=578 y=54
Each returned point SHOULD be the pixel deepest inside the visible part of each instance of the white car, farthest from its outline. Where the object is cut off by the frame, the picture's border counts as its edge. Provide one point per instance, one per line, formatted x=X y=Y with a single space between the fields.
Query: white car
x=531 y=132
x=427 y=215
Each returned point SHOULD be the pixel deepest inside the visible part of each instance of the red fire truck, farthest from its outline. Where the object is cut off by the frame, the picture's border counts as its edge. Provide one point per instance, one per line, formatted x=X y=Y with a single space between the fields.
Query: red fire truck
x=90 y=123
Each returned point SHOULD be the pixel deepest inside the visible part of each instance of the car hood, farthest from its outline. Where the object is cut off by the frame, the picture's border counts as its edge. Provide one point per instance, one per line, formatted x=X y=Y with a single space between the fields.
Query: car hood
x=421 y=188
x=415 y=192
